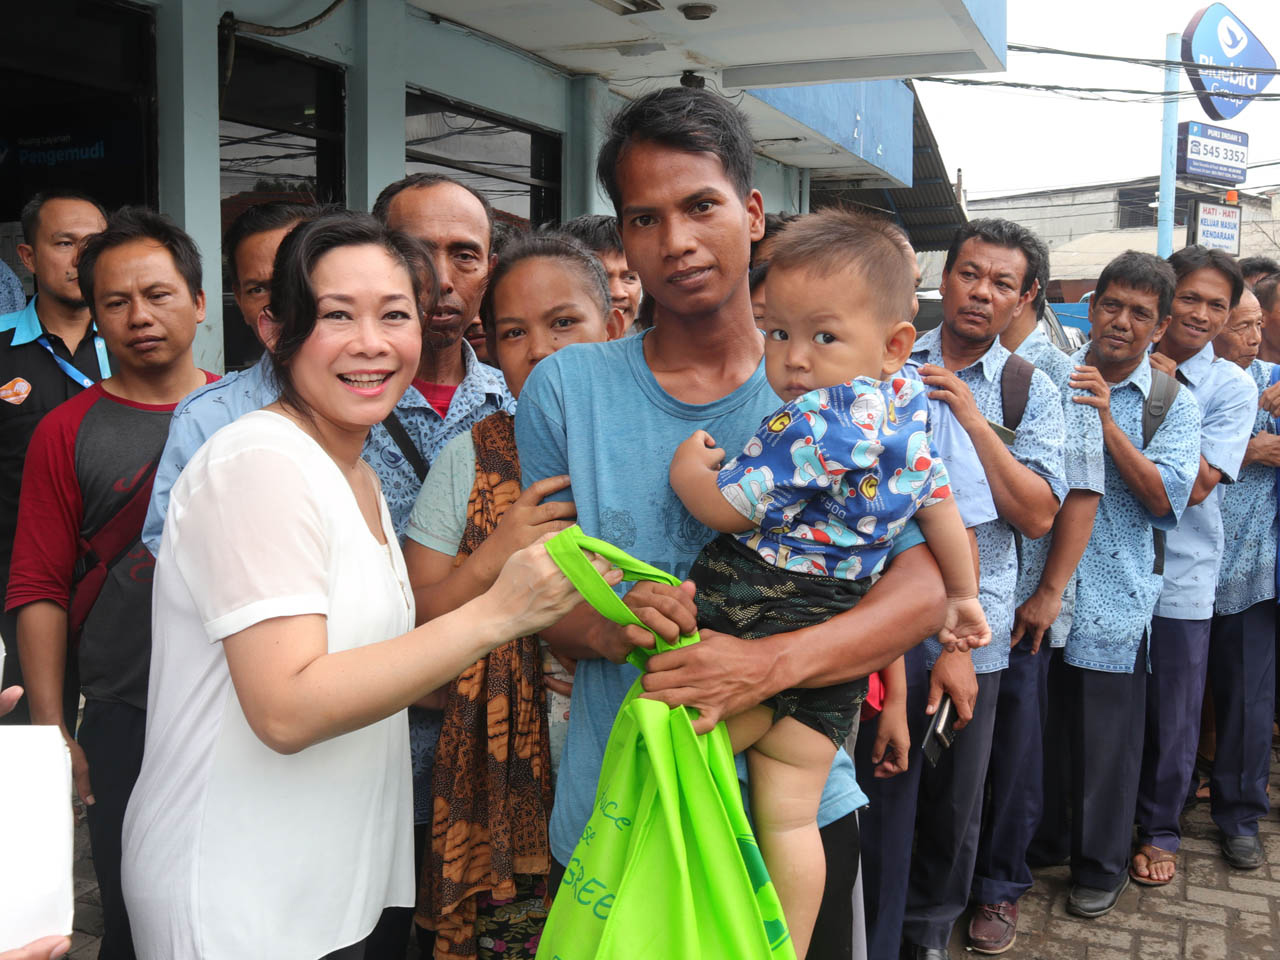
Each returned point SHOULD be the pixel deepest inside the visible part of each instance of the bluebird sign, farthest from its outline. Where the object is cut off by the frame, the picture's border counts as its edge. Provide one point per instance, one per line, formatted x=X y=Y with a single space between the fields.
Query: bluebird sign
x=1225 y=51
x=1206 y=152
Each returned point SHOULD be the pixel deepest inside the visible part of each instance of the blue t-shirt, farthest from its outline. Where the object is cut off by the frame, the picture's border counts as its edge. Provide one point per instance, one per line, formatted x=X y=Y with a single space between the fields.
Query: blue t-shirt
x=832 y=478
x=596 y=412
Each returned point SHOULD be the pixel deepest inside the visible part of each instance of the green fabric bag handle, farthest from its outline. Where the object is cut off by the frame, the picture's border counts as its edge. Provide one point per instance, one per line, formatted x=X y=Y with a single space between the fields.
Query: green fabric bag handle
x=568 y=549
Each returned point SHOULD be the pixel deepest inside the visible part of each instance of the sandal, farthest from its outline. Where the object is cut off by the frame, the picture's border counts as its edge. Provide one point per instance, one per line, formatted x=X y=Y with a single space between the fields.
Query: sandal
x=1153 y=855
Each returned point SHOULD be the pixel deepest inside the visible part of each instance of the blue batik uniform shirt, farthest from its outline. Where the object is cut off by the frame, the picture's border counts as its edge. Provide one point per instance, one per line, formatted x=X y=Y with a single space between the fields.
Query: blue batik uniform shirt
x=1116 y=589
x=1228 y=406
x=1038 y=446
x=954 y=447
x=197 y=417
x=482 y=391
x=833 y=476
x=1083 y=470
x=596 y=412
x=1247 y=574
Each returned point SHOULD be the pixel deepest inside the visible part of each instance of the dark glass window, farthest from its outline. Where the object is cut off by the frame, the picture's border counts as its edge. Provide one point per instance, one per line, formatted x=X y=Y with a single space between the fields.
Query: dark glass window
x=280 y=138
x=79 y=108
x=517 y=168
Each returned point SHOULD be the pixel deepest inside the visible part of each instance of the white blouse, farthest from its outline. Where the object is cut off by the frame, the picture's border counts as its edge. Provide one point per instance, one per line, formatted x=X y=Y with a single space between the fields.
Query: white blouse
x=232 y=850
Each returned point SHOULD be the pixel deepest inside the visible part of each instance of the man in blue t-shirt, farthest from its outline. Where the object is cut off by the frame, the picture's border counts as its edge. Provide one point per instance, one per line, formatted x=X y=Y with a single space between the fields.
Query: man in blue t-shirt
x=678 y=166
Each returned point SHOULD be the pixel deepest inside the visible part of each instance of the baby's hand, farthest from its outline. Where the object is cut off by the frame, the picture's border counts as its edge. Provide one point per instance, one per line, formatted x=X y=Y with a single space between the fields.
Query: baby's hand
x=966 y=626
x=699 y=450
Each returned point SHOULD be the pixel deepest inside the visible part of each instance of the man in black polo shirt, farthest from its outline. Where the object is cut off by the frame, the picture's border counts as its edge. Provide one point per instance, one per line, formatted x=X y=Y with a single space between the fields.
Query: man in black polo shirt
x=49 y=352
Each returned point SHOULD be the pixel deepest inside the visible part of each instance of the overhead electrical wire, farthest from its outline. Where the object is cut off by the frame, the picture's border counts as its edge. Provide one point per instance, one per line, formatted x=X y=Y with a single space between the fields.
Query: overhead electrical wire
x=1111 y=94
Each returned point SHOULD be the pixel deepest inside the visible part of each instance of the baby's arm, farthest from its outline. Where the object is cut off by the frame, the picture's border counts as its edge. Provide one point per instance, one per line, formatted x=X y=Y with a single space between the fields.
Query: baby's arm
x=694 y=469
x=966 y=625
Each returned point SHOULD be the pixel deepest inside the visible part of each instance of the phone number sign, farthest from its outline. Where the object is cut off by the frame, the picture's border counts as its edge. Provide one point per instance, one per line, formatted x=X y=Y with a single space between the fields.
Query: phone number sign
x=1206 y=152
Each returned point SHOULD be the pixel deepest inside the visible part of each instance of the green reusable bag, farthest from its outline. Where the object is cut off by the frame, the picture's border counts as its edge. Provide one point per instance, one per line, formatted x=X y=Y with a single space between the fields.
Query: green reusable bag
x=667 y=866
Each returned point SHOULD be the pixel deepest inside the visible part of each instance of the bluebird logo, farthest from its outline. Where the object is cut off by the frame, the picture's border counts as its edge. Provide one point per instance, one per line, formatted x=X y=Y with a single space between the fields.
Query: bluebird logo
x=1233 y=37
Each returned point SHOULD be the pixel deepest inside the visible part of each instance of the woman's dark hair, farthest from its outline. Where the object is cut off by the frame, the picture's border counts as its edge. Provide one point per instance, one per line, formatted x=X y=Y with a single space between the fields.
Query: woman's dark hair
x=683 y=118
x=138 y=223
x=1139 y=271
x=546 y=245
x=1003 y=233
x=293 y=300
x=1195 y=257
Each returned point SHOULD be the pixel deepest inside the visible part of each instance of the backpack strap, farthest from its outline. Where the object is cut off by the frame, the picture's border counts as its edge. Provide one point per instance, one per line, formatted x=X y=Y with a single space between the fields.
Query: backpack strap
x=1159 y=399
x=402 y=439
x=1015 y=390
x=102 y=550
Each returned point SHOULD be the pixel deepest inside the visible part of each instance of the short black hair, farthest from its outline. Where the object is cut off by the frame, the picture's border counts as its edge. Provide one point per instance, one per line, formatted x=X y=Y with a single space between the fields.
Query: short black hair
x=595 y=231
x=1140 y=271
x=1042 y=276
x=683 y=118
x=1001 y=233
x=547 y=244
x=31 y=209
x=1266 y=291
x=262 y=218
x=757 y=274
x=382 y=206
x=1195 y=257
x=138 y=223
x=293 y=300
x=502 y=234
x=1253 y=266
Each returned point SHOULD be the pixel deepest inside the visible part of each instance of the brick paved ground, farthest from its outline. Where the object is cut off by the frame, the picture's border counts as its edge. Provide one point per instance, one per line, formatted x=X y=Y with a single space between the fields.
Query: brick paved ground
x=1209 y=912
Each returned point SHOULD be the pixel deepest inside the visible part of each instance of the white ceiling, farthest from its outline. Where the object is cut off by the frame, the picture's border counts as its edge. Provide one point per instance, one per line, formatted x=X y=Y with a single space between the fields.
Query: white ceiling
x=746 y=43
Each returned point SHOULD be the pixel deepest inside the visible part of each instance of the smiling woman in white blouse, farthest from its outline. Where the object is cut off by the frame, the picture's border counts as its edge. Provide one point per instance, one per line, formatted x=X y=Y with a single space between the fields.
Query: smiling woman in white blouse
x=272 y=814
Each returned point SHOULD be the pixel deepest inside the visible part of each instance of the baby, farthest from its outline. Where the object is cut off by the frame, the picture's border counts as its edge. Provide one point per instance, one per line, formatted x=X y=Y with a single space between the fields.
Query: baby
x=809 y=511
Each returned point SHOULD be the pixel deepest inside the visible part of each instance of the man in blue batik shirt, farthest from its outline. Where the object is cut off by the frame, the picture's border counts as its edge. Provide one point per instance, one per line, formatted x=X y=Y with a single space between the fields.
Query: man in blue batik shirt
x=250 y=250
x=1117 y=581
x=1209 y=287
x=1045 y=598
x=1242 y=639
x=989 y=274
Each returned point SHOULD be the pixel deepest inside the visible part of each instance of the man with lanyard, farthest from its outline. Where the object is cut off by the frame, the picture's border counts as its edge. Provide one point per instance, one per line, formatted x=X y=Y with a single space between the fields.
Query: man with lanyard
x=49 y=352
x=250 y=250
x=1242 y=638
x=1209 y=288
x=1045 y=595
x=990 y=273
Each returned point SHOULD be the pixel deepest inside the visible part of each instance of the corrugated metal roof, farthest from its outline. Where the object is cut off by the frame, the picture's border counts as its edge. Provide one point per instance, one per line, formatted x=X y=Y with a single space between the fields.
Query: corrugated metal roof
x=927 y=210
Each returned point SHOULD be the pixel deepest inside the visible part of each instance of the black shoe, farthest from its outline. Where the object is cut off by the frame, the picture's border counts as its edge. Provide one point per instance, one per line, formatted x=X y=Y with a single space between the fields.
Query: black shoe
x=1091 y=902
x=911 y=951
x=1243 y=853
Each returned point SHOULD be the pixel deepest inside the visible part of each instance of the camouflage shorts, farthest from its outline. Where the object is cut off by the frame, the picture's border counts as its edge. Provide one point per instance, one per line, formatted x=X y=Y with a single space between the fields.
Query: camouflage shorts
x=742 y=595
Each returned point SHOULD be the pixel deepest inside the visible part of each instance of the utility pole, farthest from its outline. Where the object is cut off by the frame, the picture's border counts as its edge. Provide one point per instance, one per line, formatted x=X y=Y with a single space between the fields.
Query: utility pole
x=1168 y=147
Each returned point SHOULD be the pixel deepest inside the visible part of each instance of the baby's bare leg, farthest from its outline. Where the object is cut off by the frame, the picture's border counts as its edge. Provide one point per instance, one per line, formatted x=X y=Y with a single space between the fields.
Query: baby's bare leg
x=749 y=726
x=789 y=766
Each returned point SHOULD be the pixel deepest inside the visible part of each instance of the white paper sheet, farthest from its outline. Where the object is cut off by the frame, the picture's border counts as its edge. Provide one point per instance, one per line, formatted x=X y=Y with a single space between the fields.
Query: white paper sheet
x=36 y=827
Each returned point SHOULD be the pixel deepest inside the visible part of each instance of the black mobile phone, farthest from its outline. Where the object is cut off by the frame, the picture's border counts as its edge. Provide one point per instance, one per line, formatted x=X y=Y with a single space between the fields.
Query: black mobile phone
x=941 y=732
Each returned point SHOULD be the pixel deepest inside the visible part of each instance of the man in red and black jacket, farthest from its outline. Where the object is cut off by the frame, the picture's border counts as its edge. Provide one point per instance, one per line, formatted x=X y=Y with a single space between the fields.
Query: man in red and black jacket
x=79 y=569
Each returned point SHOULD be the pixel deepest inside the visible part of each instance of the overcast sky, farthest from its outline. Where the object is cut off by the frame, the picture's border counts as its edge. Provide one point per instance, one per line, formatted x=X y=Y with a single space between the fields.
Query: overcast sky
x=1008 y=141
